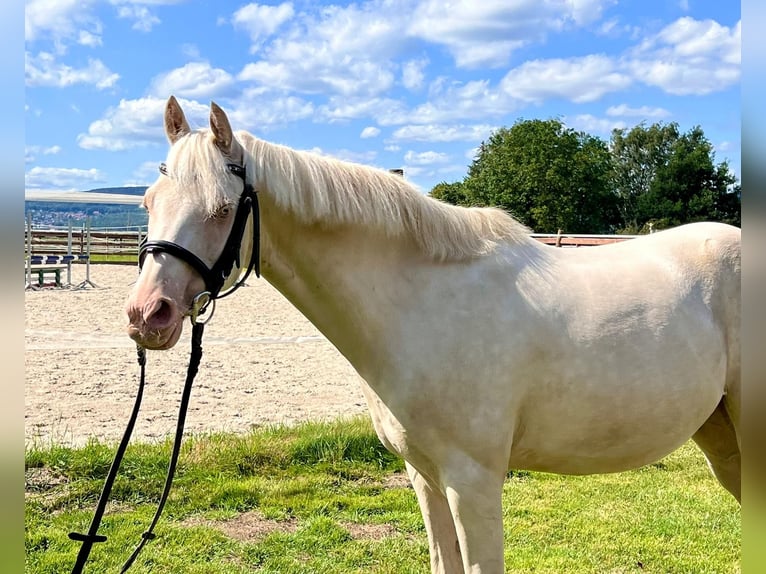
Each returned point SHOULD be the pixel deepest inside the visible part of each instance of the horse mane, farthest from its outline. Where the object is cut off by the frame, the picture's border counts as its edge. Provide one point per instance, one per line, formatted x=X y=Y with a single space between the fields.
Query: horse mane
x=321 y=189
x=326 y=191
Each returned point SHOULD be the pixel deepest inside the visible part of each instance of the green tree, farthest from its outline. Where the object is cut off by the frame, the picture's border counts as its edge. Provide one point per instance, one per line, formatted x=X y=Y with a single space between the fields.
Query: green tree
x=453 y=193
x=665 y=178
x=638 y=154
x=546 y=175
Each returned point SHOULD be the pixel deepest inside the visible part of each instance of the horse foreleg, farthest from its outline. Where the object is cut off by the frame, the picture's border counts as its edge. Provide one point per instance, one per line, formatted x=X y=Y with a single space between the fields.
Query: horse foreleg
x=474 y=494
x=442 y=537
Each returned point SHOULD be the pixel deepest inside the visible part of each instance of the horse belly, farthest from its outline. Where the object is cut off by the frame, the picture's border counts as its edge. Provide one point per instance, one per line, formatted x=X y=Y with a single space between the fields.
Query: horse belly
x=616 y=424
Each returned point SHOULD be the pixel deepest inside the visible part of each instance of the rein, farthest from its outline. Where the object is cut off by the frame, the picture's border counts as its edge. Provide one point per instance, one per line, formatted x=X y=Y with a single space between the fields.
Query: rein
x=214 y=279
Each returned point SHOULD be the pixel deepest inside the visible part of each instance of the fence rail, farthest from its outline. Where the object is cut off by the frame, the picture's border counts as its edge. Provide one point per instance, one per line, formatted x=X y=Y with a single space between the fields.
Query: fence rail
x=105 y=242
x=60 y=242
x=578 y=239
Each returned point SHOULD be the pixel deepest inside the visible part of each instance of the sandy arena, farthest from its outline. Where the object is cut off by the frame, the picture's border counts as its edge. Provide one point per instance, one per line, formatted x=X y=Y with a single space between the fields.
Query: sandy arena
x=263 y=363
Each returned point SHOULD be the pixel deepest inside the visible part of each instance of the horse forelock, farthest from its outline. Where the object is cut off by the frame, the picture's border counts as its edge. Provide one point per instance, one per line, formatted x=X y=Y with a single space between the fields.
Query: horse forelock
x=318 y=189
x=200 y=173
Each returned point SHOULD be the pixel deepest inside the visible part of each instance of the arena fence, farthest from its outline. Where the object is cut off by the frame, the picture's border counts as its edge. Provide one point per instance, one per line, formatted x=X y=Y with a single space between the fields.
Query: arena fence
x=125 y=242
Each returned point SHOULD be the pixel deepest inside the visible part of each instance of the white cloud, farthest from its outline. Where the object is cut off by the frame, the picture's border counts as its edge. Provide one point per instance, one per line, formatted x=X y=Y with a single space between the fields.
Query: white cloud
x=613 y=28
x=143 y=19
x=89 y=39
x=256 y=112
x=584 y=12
x=60 y=178
x=340 y=50
x=385 y=111
x=194 y=80
x=32 y=151
x=442 y=133
x=370 y=132
x=413 y=74
x=724 y=146
x=582 y=79
x=139 y=122
x=136 y=123
x=347 y=77
x=64 y=21
x=44 y=70
x=689 y=57
x=487 y=33
x=593 y=125
x=476 y=33
x=648 y=112
x=425 y=158
x=449 y=102
x=59 y=19
x=261 y=21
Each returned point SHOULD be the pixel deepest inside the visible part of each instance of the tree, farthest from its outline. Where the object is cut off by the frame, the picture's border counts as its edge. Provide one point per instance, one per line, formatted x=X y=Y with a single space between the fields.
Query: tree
x=637 y=155
x=551 y=177
x=667 y=178
x=453 y=193
x=548 y=176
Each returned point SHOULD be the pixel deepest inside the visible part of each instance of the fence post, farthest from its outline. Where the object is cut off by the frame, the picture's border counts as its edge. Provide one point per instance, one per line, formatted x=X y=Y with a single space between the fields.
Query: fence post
x=28 y=259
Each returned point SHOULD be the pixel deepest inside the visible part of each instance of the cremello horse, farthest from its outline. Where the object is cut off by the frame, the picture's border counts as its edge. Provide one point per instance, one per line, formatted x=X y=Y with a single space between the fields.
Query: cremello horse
x=481 y=349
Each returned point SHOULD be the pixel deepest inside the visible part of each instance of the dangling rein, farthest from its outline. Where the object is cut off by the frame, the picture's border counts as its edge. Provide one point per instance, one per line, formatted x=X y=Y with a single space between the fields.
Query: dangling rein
x=214 y=279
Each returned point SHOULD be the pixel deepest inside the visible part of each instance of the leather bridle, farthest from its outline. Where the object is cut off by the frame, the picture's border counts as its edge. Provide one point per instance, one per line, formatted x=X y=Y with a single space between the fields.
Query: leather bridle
x=216 y=275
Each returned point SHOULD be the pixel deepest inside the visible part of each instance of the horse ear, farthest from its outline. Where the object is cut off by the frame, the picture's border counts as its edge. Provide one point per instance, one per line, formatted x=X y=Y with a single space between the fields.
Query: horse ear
x=176 y=125
x=221 y=128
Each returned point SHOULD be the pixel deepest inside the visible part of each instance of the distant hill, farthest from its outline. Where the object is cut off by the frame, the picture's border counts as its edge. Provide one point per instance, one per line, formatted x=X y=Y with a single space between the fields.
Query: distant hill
x=130 y=190
x=60 y=214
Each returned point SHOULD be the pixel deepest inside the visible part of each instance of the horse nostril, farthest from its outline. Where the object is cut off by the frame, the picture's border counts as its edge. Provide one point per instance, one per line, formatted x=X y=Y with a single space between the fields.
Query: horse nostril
x=160 y=314
x=163 y=313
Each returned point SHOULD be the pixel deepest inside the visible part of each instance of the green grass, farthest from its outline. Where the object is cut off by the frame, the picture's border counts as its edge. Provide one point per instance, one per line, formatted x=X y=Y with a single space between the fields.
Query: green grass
x=114 y=258
x=328 y=498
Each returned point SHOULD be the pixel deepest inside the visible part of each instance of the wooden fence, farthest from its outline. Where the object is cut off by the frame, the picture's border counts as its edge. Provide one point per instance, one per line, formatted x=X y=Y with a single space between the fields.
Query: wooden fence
x=60 y=242
x=57 y=241
x=578 y=240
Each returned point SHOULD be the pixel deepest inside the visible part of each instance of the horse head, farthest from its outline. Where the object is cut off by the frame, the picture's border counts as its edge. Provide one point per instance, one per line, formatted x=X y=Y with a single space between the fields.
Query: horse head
x=197 y=241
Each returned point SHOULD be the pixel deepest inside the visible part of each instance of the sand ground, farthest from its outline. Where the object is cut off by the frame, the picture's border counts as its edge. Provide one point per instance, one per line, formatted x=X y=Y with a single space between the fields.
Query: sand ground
x=263 y=363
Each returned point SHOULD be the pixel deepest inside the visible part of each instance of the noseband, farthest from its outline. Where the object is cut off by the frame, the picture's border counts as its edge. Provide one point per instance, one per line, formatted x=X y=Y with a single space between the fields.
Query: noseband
x=215 y=276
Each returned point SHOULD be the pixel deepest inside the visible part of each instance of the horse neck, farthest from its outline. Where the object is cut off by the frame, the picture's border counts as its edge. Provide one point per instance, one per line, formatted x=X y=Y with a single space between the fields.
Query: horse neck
x=342 y=279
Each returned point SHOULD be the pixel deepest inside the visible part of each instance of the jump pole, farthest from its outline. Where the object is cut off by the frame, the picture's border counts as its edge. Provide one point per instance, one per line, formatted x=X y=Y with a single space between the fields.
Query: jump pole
x=87 y=281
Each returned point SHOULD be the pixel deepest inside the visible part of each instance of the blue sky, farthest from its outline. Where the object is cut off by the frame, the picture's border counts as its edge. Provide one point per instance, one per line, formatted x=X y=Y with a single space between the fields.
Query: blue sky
x=413 y=84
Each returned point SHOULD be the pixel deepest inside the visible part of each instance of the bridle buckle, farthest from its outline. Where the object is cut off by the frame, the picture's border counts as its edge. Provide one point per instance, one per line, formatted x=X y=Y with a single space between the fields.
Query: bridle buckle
x=200 y=304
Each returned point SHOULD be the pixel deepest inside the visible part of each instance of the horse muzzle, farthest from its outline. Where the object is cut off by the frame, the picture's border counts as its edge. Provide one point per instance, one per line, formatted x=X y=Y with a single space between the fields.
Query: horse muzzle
x=156 y=325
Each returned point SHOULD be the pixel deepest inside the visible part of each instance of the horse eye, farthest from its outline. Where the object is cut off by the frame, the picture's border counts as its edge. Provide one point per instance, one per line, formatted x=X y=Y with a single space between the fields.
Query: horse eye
x=222 y=212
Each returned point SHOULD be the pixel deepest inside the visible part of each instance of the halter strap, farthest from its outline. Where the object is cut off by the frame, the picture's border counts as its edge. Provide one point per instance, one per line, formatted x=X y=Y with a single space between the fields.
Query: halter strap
x=214 y=277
